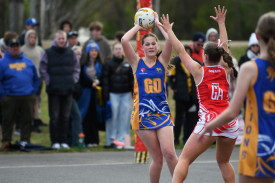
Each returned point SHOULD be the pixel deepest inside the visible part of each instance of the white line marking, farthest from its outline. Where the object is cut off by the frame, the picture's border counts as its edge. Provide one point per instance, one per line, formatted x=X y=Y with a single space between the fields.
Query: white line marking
x=95 y=164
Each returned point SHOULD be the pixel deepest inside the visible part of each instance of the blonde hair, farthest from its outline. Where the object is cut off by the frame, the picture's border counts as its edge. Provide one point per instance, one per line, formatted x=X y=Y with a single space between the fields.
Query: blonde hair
x=266 y=30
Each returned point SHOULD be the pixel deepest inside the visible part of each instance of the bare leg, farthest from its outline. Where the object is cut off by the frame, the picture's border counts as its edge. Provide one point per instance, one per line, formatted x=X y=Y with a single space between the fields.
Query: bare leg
x=150 y=140
x=192 y=149
x=223 y=152
x=247 y=179
x=166 y=140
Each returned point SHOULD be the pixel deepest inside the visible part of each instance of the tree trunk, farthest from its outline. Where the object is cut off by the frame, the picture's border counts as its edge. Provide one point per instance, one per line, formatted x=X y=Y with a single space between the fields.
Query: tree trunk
x=16 y=15
x=3 y=17
x=35 y=13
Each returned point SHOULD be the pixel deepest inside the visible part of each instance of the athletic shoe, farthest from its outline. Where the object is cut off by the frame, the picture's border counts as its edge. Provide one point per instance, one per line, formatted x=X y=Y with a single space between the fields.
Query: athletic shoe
x=117 y=143
x=129 y=147
x=65 y=146
x=56 y=146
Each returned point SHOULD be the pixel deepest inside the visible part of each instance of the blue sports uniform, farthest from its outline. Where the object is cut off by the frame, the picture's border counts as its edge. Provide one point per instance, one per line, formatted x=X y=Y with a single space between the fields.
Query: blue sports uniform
x=151 y=110
x=257 y=153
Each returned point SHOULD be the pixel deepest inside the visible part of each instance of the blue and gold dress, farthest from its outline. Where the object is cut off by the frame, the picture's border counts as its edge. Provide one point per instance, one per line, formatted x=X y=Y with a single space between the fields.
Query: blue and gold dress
x=150 y=105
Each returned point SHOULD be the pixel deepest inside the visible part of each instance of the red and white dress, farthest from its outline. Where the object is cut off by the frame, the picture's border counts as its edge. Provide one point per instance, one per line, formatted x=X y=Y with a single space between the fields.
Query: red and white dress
x=212 y=93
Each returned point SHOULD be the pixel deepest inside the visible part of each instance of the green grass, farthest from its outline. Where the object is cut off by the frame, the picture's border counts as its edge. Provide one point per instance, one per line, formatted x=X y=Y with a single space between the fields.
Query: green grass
x=44 y=138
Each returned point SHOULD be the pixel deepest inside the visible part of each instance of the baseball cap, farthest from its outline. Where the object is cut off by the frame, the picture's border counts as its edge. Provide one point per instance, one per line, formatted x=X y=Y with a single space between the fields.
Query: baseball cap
x=198 y=36
x=72 y=33
x=13 y=41
x=31 y=21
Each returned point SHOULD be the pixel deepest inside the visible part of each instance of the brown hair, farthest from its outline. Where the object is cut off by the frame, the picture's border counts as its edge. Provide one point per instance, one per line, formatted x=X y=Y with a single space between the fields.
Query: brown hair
x=96 y=26
x=215 y=53
x=266 y=29
x=9 y=35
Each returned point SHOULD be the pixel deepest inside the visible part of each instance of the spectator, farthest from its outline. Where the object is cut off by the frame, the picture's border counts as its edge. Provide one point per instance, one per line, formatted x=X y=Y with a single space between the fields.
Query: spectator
x=75 y=116
x=253 y=50
x=72 y=39
x=66 y=26
x=197 y=46
x=212 y=35
x=96 y=29
x=117 y=86
x=91 y=72
x=59 y=67
x=34 y=52
x=30 y=23
x=184 y=87
x=17 y=70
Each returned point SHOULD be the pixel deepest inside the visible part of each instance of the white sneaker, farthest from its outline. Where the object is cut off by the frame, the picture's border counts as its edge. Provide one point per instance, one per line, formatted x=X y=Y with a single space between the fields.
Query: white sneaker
x=56 y=146
x=92 y=145
x=65 y=146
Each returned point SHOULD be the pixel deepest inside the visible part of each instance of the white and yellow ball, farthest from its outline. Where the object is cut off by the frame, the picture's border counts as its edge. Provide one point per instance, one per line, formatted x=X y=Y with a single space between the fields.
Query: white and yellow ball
x=145 y=18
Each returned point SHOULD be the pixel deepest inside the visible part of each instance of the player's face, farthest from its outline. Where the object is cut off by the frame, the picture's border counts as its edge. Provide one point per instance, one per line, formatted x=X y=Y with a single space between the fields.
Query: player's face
x=150 y=46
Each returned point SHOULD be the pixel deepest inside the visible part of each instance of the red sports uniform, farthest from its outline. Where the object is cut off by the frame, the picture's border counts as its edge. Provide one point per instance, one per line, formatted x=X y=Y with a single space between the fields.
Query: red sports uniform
x=212 y=93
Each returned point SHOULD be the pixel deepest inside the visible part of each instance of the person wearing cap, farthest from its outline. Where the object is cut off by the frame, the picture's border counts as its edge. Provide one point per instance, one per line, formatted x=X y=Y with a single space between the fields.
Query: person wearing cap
x=96 y=29
x=59 y=67
x=253 y=50
x=30 y=23
x=212 y=35
x=18 y=84
x=197 y=46
x=90 y=77
x=34 y=52
x=72 y=39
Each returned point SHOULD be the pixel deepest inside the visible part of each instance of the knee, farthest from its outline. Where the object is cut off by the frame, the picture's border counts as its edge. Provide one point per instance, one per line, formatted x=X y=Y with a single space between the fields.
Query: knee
x=222 y=162
x=169 y=155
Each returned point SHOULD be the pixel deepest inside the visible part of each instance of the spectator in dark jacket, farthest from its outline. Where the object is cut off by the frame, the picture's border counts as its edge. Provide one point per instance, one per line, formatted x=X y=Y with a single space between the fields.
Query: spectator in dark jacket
x=182 y=82
x=18 y=84
x=117 y=87
x=59 y=67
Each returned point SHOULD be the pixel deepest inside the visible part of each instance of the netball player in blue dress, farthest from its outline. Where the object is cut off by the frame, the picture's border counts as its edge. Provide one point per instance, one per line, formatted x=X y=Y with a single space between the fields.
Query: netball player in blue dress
x=256 y=81
x=151 y=117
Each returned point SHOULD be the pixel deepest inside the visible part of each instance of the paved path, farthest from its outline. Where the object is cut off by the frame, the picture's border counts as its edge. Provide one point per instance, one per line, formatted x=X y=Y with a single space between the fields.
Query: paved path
x=99 y=167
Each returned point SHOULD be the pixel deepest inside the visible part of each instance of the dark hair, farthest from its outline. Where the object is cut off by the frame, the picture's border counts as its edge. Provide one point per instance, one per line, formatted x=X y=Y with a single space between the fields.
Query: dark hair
x=119 y=35
x=266 y=29
x=215 y=53
x=65 y=22
x=187 y=47
x=85 y=61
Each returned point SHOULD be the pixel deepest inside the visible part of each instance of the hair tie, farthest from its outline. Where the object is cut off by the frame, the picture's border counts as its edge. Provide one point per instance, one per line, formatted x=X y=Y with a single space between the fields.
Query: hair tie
x=219 y=44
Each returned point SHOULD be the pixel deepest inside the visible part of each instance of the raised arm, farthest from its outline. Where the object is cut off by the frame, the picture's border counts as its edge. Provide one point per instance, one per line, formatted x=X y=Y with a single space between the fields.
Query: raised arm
x=167 y=49
x=220 y=19
x=127 y=47
x=190 y=64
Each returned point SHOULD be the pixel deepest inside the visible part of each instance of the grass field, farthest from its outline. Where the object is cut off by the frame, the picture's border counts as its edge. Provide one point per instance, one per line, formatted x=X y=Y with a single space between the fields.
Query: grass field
x=43 y=138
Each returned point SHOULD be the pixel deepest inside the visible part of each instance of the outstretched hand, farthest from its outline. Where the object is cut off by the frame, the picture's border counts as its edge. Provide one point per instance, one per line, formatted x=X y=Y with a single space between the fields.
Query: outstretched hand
x=166 y=25
x=220 y=15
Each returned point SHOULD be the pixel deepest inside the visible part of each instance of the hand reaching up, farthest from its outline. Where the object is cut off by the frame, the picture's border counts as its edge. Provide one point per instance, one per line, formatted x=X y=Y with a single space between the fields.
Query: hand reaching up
x=165 y=23
x=220 y=15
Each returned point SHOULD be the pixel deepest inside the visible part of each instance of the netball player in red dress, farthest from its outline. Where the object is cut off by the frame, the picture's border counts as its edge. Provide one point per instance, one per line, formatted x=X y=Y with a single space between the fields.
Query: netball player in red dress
x=212 y=81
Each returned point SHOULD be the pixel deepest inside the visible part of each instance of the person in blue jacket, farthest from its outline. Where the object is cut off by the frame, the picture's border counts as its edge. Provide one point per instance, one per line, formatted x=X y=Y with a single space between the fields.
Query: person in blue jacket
x=18 y=84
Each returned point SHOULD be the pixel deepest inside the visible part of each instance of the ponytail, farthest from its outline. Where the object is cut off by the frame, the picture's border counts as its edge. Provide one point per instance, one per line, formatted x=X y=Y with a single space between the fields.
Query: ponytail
x=271 y=51
x=228 y=59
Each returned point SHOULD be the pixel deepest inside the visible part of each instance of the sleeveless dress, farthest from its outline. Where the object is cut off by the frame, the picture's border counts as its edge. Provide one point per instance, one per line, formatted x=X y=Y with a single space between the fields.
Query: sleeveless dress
x=150 y=105
x=212 y=94
x=257 y=152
